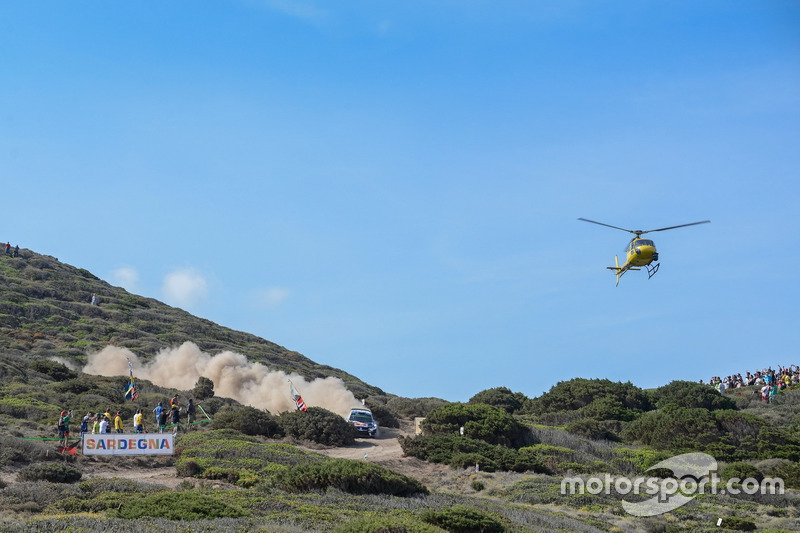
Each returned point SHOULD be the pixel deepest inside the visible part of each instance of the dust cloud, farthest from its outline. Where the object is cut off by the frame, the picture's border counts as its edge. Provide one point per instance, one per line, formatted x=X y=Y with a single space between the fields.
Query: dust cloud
x=233 y=375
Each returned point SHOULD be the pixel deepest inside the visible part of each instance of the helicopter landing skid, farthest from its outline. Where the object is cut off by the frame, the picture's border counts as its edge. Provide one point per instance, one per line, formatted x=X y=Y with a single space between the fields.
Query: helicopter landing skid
x=651 y=270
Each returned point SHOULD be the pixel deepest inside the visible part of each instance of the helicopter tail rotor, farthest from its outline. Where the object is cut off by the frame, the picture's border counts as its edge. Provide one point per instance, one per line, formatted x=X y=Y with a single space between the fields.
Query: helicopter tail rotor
x=617 y=269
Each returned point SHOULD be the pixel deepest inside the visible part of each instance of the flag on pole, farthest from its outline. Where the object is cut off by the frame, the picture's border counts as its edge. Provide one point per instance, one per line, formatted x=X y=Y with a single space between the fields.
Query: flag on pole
x=298 y=400
x=131 y=392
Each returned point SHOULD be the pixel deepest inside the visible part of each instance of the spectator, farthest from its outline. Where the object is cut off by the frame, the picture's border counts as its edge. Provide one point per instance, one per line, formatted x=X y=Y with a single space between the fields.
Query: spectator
x=63 y=427
x=190 y=414
x=138 y=426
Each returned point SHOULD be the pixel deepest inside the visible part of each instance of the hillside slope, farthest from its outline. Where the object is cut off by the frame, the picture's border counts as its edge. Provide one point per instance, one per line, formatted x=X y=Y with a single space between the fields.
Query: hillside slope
x=46 y=311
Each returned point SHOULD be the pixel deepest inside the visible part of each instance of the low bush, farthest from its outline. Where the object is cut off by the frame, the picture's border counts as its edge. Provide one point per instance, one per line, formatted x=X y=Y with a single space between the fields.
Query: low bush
x=317 y=425
x=460 y=451
x=55 y=370
x=626 y=399
x=675 y=428
x=52 y=472
x=186 y=505
x=738 y=524
x=14 y=451
x=463 y=519
x=501 y=397
x=414 y=407
x=594 y=429
x=692 y=396
x=354 y=477
x=248 y=420
x=742 y=471
x=394 y=523
x=480 y=421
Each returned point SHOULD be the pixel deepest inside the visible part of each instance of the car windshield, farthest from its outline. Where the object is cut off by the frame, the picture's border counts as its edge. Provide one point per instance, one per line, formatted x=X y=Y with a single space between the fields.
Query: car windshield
x=360 y=417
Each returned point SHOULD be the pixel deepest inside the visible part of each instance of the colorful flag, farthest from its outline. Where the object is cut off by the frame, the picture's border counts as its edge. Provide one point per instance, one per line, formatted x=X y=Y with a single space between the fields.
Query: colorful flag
x=131 y=392
x=298 y=400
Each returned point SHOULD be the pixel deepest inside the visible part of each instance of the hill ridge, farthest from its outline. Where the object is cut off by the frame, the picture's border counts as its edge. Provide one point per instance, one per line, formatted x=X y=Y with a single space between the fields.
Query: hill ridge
x=46 y=311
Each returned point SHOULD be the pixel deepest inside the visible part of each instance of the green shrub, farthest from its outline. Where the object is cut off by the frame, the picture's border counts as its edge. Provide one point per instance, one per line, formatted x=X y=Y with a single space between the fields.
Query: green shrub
x=248 y=420
x=578 y=393
x=56 y=371
x=317 y=425
x=203 y=389
x=393 y=523
x=74 y=386
x=463 y=519
x=692 y=396
x=52 y=472
x=463 y=451
x=501 y=397
x=477 y=485
x=594 y=429
x=742 y=471
x=675 y=428
x=188 y=468
x=414 y=407
x=788 y=471
x=480 y=421
x=738 y=524
x=185 y=505
x=354 y=477
x=14 y=451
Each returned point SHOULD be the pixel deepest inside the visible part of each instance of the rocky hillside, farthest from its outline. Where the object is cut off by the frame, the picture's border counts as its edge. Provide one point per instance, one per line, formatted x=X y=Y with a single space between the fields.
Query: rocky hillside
x=46 y=310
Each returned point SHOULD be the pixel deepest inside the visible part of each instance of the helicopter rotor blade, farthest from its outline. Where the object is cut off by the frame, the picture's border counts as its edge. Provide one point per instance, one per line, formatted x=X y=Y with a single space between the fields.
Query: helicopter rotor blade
x=615 y=227
x=680 y=226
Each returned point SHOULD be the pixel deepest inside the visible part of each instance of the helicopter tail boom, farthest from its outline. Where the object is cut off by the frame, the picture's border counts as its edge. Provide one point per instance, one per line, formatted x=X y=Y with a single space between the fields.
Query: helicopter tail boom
x=620 y=270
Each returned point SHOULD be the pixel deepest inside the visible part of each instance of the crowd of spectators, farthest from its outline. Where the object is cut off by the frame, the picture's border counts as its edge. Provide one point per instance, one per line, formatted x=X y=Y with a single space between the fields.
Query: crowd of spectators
x=768 y=380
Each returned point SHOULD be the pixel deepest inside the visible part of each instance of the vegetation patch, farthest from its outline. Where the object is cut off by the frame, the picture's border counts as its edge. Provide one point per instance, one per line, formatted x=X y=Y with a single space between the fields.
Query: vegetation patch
x=480 y=422
x=317 y=425
x=185 y=505
x=52 y=472
x=463 y=519
x=349 y=476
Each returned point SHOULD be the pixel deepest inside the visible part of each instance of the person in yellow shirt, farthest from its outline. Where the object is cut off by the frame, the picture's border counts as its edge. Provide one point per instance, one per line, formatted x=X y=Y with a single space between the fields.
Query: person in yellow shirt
x=118 y=423
x=138 y=426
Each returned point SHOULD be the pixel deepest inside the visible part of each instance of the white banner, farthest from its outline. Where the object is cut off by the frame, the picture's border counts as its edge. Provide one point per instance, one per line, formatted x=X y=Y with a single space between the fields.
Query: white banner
x=128 y=444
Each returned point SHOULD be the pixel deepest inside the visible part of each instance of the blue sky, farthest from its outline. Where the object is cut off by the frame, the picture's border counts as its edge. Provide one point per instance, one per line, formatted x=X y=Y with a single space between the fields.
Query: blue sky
x=392 y=188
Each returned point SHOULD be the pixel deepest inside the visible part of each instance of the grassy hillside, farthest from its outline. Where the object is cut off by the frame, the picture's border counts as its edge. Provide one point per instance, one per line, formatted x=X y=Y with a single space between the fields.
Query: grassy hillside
x=46 y=311
x=251 y=470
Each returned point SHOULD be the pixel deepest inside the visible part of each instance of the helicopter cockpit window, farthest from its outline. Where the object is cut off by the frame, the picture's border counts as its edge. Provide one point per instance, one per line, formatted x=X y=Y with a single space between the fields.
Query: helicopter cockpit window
x=645 y=242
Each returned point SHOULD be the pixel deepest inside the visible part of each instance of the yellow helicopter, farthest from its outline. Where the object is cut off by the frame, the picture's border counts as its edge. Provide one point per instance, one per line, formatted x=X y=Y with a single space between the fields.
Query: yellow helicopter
x=640 y=252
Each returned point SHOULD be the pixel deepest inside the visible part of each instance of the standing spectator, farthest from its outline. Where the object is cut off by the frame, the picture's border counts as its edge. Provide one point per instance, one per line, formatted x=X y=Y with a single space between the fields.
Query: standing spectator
x=190 y=414
x=16 y=251
x=176 y=417
x=104 y=425
x=63 y=427
x=162 y=420
x=118 y=423
x=157 y=411
x=94 y=299
x=138 y=426
x=96 y=424
x=85 y=424
x=8 y=248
